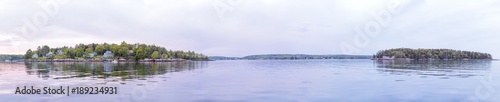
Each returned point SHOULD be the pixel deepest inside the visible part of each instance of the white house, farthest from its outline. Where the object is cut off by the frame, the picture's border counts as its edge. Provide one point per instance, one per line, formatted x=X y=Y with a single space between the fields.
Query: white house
x=92 y=54
x=49 y=54
x=387 y=57
x=108 y=54
x=34 y=56
x=60 y=52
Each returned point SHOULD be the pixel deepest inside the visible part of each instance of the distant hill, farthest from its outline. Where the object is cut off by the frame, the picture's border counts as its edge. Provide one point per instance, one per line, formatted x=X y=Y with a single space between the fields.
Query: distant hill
x=290 y=57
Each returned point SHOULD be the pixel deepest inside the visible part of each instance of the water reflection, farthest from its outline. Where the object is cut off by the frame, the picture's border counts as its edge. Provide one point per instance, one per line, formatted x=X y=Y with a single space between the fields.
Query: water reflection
x=125 y=71
x=441 y=68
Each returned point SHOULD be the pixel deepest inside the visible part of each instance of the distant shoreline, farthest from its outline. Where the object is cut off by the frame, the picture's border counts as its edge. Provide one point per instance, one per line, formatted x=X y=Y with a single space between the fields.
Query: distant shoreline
x=290 y=57
x=381 y=59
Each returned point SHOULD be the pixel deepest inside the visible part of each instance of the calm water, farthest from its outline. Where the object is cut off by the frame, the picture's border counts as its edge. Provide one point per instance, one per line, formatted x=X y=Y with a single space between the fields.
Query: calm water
x=261 y=81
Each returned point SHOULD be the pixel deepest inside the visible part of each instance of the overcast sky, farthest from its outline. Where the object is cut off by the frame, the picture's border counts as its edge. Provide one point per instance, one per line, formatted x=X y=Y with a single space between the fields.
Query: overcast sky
x=244 y=27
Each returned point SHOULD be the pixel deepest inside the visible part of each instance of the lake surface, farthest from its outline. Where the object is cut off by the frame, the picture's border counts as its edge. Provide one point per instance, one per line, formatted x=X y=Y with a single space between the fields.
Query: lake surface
x=260 y=81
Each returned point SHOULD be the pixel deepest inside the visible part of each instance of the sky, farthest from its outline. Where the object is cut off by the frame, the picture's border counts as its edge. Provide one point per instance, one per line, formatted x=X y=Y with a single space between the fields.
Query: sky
x=246 y=27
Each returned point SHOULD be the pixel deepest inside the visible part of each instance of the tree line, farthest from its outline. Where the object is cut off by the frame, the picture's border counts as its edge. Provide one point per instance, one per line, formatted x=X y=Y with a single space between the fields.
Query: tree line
x=304 y=56
x=4 y=57
x=124 y=50
x=431 y=54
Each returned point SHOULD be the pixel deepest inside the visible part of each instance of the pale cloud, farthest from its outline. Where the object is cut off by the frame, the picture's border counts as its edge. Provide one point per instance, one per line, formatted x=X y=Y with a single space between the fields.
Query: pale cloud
x=256 y=26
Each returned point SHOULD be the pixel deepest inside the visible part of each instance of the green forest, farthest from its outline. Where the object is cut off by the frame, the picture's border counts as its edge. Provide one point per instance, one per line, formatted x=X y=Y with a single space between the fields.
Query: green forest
x=419 y=54
x=111 y=51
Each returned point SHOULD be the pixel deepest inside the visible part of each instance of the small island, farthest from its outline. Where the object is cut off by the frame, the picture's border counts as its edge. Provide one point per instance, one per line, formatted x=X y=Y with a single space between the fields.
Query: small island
x=429 y=54
x=123 y=52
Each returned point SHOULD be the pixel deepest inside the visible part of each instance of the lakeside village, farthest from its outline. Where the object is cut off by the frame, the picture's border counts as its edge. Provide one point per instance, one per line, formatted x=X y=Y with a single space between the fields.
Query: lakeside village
x=93 y=57
x=111 y=53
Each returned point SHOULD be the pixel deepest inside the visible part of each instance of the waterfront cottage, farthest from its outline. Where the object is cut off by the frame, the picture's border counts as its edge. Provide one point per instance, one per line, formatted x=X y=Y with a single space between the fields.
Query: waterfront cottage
x=50 y=54
x=108 y=54
x=34 y=56
x=387 y=57
x=60 y=52
x=92 y=54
